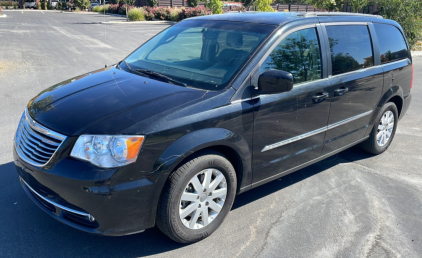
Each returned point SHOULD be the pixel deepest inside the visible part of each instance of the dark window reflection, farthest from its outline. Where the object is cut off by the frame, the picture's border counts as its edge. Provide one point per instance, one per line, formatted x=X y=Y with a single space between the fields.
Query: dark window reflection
x=351 y=48
x=298 y=54
x=392 y=43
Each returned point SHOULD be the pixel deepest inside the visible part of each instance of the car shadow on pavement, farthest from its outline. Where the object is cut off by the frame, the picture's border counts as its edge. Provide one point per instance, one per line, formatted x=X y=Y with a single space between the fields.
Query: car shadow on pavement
x=28 y=231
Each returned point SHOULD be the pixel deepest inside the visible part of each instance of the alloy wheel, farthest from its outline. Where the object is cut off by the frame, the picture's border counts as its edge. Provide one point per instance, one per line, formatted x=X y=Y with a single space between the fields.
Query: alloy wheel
x=385 y=128
x=203 y=198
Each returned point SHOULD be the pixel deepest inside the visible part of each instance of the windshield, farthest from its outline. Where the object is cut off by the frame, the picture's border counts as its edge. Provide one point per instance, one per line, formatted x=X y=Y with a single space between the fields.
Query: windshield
x=201 y=54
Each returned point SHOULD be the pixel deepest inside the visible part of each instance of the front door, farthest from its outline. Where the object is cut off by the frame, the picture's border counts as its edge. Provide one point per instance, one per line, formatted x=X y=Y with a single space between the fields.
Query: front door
x=289 y=128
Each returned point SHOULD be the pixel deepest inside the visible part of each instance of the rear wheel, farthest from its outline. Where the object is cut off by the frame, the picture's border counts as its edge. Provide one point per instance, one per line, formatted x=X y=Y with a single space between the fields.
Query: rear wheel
x=197 y=198
x=384 y=129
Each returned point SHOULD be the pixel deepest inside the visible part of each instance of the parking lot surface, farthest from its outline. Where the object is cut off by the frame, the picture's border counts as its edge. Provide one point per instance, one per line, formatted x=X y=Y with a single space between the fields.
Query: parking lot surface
x=350 y=205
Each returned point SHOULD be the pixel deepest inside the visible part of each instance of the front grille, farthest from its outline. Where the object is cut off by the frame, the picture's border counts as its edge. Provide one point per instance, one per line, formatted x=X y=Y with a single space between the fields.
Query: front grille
x=35 y=143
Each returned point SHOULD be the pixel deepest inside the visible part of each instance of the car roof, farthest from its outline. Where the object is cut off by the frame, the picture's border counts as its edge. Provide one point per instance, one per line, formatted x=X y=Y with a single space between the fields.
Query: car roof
x=277 y=18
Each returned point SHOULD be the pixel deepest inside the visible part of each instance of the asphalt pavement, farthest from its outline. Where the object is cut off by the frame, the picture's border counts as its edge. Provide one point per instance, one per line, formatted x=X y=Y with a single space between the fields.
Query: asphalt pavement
x=350 y=205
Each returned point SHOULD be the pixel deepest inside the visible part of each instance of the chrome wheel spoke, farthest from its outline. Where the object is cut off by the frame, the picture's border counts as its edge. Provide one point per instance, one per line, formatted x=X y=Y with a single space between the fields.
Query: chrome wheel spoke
x=204 y=215
x=207 y=179
x=390 y=126
x=381 y=127
x=191 y=197
x=196 y=184
x=219 y=193
x=188 y=210
x=214 y=206
x=216 y=182
x=194 y=218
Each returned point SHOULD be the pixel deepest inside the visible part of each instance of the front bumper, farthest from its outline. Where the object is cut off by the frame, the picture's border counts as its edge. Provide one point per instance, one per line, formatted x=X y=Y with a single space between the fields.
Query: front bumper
x=91 y=199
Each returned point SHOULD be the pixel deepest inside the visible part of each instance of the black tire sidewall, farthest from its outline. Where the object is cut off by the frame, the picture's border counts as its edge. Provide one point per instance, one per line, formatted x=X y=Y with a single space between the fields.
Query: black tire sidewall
x=210 y=161
x=387 y=107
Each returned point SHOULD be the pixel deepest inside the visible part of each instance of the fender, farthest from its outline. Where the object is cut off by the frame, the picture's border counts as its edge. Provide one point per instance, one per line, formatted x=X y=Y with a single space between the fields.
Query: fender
x=387 y=95
x=201 y=139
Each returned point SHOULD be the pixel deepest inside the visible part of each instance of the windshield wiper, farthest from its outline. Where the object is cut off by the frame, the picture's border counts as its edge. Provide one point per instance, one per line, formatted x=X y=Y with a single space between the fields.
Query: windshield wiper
x=160 y=76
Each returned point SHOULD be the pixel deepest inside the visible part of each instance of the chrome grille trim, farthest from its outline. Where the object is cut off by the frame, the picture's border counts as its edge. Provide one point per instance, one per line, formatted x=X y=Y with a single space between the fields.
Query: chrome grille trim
x=34 y=143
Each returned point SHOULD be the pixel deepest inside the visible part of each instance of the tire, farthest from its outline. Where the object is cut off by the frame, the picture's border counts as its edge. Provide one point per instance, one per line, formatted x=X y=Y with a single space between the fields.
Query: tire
x=172 y=208
x=374 y=144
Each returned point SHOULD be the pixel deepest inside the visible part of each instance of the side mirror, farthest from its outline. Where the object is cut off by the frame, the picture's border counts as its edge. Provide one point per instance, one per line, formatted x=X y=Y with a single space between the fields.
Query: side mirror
x=275 y=81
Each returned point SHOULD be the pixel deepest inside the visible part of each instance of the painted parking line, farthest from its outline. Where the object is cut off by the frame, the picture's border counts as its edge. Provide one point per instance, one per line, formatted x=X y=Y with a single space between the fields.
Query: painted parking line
x=42 y=12
x=21 y=11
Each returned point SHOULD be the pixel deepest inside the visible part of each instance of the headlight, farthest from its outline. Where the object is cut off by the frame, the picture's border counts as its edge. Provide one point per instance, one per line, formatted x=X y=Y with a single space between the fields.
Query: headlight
x=107 y=151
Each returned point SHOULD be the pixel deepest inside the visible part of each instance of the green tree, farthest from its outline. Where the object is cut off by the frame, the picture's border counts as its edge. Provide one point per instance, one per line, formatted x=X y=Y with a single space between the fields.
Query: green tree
x=83 y=4
x=330 y=5
x=263 y=5
x=130 y=2
x=407 y=13
x=215 y=5
x=193 y=3
x=152 y=3
x=358 y=4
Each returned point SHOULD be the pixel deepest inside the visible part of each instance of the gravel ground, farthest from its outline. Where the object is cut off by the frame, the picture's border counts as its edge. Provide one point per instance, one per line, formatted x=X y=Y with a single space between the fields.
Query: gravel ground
x=350 y=205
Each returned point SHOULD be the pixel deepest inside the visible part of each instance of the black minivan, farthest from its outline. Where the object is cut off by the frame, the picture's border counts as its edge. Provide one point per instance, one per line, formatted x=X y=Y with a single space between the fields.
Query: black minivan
x=210 y=108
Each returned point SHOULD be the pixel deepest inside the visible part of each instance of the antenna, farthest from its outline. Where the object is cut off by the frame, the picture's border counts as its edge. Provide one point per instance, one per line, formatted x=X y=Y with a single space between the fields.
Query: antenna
x=105 y=33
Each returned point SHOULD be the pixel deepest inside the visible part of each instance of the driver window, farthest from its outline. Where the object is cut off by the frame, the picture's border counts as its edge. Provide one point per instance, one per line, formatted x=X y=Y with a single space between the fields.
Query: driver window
x=299 y=54
x=186 y=46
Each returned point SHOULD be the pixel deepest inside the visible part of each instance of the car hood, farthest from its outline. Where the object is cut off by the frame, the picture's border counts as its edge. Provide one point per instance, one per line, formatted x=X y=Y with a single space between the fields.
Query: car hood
x=107 y=101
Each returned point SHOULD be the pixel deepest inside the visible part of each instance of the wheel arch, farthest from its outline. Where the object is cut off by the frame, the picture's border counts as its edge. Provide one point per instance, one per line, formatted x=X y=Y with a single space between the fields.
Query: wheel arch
x=230 y=144
x=393 y=94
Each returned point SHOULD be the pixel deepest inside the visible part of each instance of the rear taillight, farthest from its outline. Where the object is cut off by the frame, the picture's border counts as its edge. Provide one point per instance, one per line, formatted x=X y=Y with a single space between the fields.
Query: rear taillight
x=411 y=80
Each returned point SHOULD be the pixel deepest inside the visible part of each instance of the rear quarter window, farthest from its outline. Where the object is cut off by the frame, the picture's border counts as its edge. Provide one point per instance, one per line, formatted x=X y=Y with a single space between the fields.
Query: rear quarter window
x=391 y=42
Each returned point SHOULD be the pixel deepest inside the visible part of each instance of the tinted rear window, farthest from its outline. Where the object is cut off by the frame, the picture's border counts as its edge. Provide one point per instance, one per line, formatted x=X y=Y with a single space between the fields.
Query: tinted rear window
x=392 y=43
x=351 y=48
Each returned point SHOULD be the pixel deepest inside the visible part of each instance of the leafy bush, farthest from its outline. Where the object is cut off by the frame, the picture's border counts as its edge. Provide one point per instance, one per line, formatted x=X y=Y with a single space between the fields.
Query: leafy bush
x=78 y=9
x=174 y=14
x=113 y=8
x=152 y=3
x=358 y=4
x=43 y=5
x=98 y=9
x=122 y=10
x=264 y=6
x=1 y=9
x=193 y=11
x=130 y=2
x=148 y=13
x=407 y=13
x=215 y=5
x=193 y=3
x=136 y=14
x=330 y=5
x=82 y=4
x=239 y=9
x=9 y=4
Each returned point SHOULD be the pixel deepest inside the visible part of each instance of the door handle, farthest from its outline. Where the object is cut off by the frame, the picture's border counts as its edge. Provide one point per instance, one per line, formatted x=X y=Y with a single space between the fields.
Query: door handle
x=340 y=91
x=320 y=96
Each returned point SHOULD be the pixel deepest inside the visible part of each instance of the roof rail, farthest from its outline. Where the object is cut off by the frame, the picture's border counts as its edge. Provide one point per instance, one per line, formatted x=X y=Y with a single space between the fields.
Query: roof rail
x=315 y=14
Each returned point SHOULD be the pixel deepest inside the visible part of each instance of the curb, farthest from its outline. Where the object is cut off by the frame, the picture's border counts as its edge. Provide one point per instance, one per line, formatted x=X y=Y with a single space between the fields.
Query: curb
x=3 y=15
x=138 y=22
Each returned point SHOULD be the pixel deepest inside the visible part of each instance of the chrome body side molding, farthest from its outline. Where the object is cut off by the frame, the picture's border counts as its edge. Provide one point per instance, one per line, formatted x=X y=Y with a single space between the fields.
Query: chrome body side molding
x=312 y=133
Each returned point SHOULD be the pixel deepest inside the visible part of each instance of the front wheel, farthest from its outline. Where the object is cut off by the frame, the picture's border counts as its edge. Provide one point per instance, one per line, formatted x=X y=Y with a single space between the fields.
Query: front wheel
x=384 y=129
x=197 y=198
